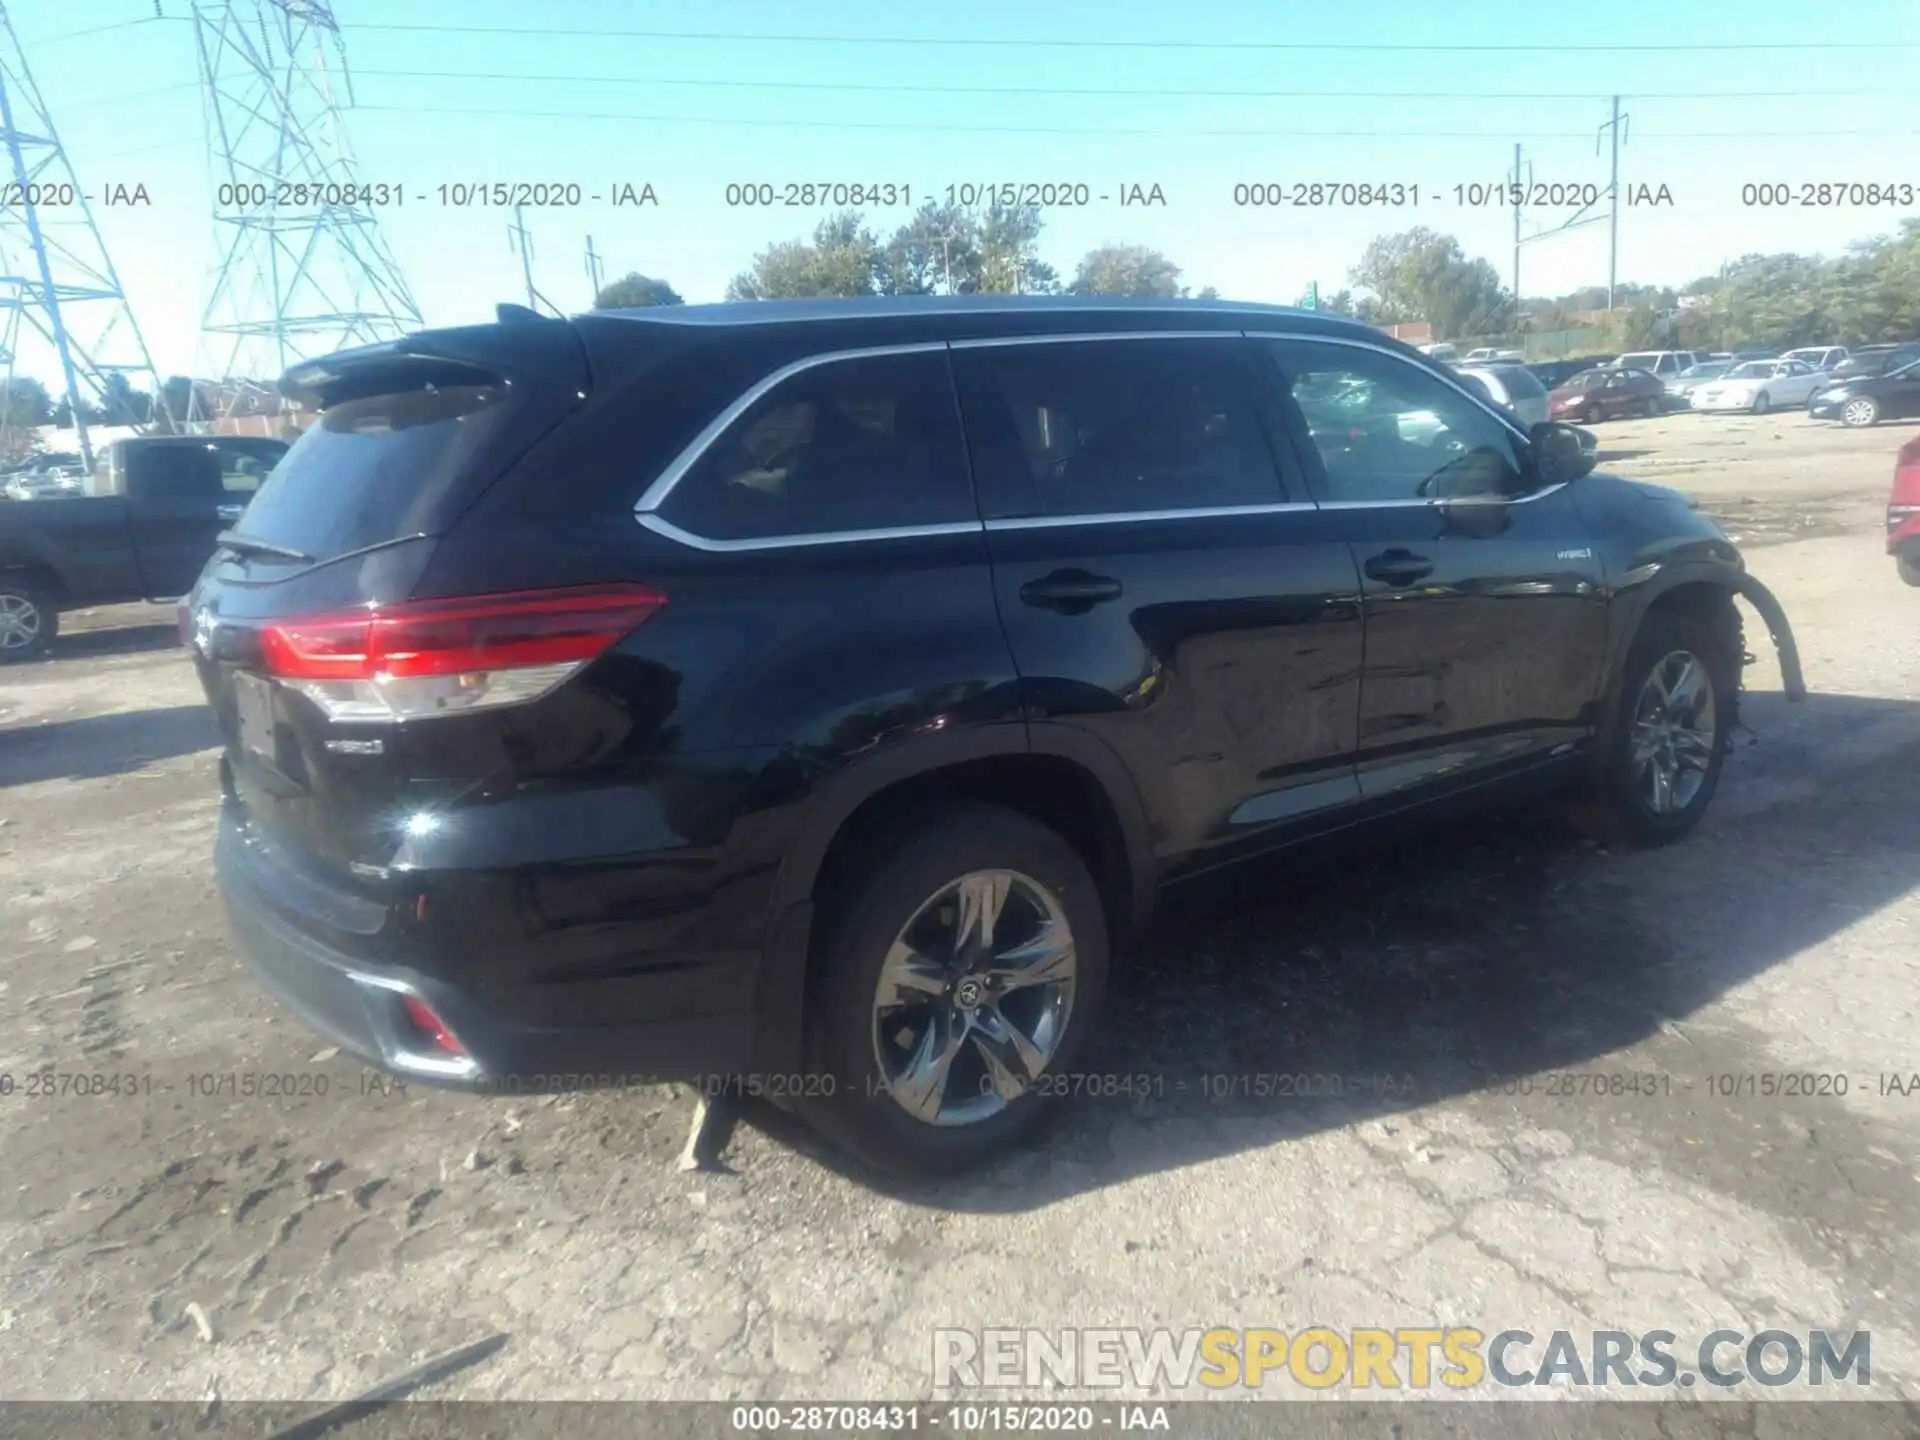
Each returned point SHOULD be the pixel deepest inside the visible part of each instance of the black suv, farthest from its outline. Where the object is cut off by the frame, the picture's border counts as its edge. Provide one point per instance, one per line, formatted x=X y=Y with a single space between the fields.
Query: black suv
x=817 y=693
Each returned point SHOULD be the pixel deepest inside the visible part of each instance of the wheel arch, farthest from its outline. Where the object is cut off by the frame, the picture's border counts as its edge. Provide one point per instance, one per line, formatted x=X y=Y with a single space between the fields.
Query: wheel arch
x=1059 y=774
x=1703 y=589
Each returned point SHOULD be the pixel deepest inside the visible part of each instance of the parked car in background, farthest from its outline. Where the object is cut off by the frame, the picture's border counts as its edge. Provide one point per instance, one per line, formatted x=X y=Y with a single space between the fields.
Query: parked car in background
x=1876 y=360
x=826 y=688
x=1606 y=394
x=1489 y=355
x=1664 y=363
x=1903 y=513
x=1551 y=373
x=1820 y=357
x=1513 y=388
x=1442 y=351
x=1681 y=387
x=1860 y=400
x=1759 y=386
x=169 y=497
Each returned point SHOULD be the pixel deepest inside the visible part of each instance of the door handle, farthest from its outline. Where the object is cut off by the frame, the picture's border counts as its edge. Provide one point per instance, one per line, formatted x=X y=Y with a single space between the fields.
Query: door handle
x=1398 y=567
x=1071 y=592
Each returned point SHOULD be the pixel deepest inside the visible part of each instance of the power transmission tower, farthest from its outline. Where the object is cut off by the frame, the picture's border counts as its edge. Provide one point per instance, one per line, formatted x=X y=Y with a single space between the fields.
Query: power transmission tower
x=302 y=269
x=59 y=292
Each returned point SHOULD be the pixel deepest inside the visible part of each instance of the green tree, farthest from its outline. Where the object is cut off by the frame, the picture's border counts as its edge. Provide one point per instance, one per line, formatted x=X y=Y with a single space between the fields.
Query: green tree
x=1010 y=262
x=25 y=402
x=937 y=252
x=634 y=291
x=1126 y=270
x=843 y=259
x=176 y=396
x=1420 y=274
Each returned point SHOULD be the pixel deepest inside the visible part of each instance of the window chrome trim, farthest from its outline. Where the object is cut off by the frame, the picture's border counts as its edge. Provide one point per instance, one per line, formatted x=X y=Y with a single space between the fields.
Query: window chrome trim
x=1126 y=517
x=667 y=528
x=1428 y=503
x=656 y=494
x=1082 y=338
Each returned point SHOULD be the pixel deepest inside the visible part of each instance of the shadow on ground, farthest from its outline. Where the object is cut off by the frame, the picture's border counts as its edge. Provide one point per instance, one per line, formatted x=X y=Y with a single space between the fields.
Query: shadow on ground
x=100 y=745
x=113 y=640
x=1504 y=946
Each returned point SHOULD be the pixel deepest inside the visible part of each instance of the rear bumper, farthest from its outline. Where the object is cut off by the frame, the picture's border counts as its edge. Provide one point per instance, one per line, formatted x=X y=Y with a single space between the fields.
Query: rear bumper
x=361 y=1006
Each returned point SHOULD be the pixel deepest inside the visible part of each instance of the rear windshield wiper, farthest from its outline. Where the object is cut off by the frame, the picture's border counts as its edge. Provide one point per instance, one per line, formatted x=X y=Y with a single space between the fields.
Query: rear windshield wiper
x=248 y=545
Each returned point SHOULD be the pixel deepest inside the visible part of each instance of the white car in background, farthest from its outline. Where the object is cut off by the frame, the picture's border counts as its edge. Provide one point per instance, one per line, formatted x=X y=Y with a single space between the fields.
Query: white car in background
x=1821 y=357
x=1514 y=388
x=1759 y=386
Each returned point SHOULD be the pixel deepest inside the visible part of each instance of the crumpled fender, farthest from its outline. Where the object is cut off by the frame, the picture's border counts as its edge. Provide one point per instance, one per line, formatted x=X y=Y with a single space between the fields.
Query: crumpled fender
x=1762 y=600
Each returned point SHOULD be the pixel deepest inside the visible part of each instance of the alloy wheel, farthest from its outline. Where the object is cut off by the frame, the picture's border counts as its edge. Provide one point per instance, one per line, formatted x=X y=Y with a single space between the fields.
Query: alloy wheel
x=1673 y=733
x=19 y=622
x=1859 y=412
x=974 y=997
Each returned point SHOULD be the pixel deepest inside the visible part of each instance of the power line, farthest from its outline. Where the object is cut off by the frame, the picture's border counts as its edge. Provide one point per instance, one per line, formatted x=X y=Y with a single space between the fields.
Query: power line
x=1096 y=91
x=1368 y=134
x=1009 y=42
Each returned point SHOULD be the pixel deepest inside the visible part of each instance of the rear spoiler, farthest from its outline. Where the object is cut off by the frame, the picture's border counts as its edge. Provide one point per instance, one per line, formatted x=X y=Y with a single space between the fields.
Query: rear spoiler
x=519 y=346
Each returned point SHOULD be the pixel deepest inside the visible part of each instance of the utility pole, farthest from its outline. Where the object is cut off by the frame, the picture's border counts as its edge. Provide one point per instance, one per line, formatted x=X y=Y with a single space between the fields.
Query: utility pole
x=1519 y=193
x=593 y=269
x=1612 y=127
x=519 y=239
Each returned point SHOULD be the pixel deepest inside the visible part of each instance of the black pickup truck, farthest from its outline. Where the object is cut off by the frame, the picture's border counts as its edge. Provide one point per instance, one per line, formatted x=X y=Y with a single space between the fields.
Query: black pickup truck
x=144 y=533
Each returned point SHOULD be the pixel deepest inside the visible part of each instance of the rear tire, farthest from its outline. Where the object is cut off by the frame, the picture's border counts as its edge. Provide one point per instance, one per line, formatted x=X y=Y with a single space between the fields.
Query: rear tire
x=1683 y=735
x=28 y=619
x=1909 y=568
x=875 y=1045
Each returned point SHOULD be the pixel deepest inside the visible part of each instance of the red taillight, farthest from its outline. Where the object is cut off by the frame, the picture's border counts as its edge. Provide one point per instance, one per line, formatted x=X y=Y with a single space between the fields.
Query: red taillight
x=458 y=637
x=431 y=1027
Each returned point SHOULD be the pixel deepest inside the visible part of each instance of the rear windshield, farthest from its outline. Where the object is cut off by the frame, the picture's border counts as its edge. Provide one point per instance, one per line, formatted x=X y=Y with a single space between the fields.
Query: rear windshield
x=375 y=469
x=1519 y=383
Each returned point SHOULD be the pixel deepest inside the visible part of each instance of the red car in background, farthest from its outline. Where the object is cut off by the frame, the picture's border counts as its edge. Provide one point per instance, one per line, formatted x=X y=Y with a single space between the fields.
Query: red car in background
x=1903 y=513
x=1606 y=395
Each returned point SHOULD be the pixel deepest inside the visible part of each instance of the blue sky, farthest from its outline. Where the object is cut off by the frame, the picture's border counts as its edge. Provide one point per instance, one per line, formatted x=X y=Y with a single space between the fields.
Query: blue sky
x=469 y=105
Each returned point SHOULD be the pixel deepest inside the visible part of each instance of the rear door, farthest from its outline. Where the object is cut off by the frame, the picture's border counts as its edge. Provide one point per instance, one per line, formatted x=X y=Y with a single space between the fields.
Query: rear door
x=1485 y=623
x=347 y=521
x=1162 y=587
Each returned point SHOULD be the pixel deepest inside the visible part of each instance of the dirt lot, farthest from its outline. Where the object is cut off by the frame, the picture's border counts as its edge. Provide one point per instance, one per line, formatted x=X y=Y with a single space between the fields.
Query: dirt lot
x=329 y=1239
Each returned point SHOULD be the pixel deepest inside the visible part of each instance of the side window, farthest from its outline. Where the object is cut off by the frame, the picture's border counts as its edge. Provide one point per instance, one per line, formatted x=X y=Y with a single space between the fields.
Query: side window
x=1114 y=427
x=241 y=471
x=866 y=444
x=1387 y=431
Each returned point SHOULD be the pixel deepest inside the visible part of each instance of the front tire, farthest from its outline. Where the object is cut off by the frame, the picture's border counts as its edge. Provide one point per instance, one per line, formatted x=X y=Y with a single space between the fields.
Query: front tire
x=1676 y=709
x=1762 y=403
x=28 y=619
x=1908 y=567
x=957 y=978
x=1860 y=412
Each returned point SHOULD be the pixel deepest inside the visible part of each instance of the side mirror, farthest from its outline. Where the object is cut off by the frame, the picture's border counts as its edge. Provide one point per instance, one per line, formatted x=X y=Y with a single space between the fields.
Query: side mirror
x=1560 y=453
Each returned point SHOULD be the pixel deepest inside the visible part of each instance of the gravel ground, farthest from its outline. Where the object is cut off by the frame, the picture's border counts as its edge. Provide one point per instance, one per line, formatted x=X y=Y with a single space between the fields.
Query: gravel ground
x=173 y=1244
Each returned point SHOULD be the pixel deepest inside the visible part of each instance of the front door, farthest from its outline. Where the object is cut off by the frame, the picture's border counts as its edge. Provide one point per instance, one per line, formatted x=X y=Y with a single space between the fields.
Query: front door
x=1160 y=586
x=1485 y=622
